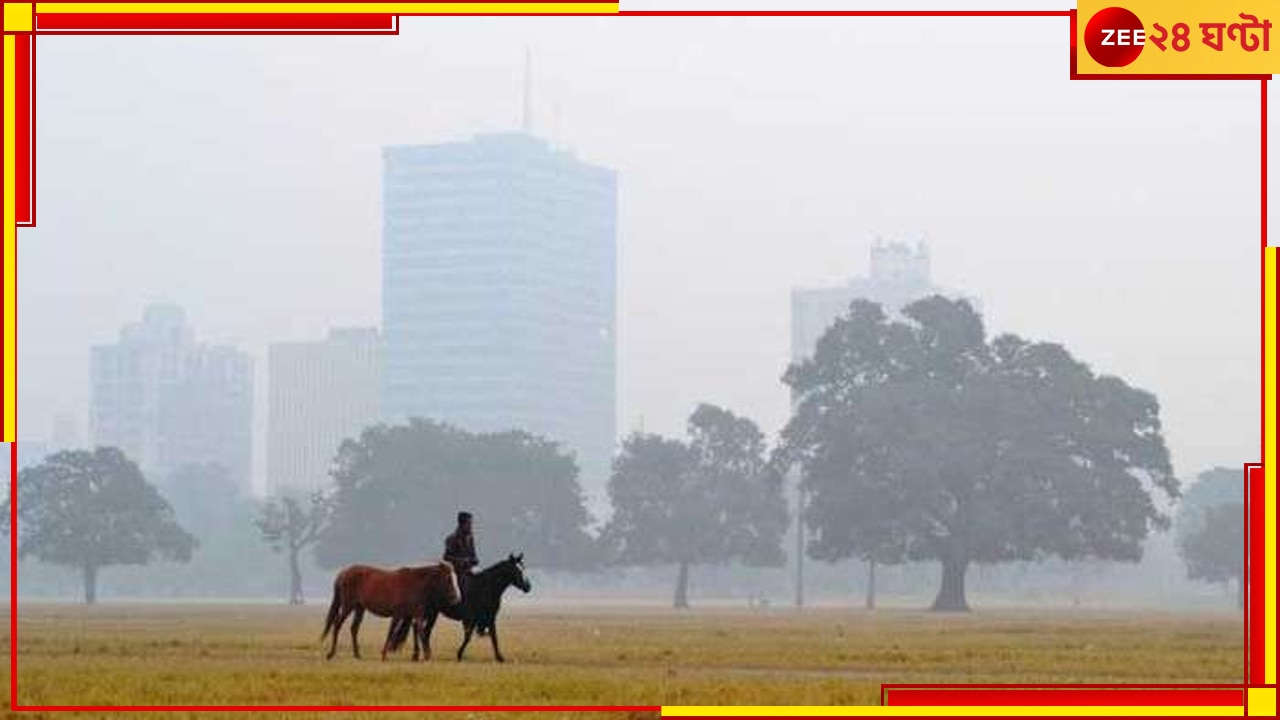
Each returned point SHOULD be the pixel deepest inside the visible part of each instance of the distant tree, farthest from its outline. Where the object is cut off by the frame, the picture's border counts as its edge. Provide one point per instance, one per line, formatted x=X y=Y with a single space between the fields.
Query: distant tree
x=1214 y=551
x=1209 y=528
x=709 y=501
x=919 y=439
x=93 y=509
x=399 y=487
x=204 y=497
x=1214 y=486
x=290 y=527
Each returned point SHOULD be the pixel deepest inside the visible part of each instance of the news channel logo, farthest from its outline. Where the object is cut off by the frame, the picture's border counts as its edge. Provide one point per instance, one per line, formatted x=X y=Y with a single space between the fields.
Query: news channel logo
x=1114 y=37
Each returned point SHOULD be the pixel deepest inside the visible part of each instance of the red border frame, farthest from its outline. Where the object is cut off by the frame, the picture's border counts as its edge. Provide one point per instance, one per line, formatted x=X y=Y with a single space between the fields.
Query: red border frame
x=212 y=23
x=1083 y=696
x=217 y=23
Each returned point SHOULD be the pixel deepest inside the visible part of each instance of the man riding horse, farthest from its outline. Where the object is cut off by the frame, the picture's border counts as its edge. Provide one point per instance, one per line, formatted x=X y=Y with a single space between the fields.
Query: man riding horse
x=460 y=546
x=460 y=551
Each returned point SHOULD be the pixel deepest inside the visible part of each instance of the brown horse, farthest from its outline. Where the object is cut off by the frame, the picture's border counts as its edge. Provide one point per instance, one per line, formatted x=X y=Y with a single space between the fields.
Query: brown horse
x=404 y=593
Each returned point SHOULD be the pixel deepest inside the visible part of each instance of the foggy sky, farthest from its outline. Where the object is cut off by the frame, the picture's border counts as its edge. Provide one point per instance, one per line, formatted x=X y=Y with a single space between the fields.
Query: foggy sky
x=240 y=178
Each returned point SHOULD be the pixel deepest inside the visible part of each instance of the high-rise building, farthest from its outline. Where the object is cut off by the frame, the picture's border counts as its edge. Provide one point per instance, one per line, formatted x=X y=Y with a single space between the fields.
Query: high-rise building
x=166 y=400
x=319 y=394
x=498 y=292
x=900 y=275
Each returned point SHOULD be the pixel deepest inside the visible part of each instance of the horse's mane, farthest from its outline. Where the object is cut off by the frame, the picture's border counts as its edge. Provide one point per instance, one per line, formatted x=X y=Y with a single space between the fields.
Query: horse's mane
x=493 y=568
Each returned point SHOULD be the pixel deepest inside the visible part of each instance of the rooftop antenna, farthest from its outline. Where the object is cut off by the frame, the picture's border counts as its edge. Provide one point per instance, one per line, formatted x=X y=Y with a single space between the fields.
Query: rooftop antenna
x=556 y=138
x=527 y=123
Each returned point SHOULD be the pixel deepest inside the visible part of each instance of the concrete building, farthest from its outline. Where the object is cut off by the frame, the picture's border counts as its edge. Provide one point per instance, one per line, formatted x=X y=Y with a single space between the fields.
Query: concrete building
x=499 y=280
x=900 y=274
x=167 y=401
x=319 y=393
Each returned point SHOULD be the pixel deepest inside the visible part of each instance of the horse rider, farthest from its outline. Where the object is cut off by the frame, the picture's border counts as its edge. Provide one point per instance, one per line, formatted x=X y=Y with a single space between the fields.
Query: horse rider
x=460 y=548
x=460 y=551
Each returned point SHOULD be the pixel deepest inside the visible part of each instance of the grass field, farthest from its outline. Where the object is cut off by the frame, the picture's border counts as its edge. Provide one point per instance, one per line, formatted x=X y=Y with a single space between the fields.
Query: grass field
x=244 y=654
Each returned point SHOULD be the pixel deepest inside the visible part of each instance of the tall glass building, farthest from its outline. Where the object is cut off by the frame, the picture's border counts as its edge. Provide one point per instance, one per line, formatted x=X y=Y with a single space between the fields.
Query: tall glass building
x=498 y=296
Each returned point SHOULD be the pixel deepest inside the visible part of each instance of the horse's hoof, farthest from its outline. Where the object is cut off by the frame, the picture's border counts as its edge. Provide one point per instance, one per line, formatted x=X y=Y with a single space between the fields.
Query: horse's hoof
x=501 y=660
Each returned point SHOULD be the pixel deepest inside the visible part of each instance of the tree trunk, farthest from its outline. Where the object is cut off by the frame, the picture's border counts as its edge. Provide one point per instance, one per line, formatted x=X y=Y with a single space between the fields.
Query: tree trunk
x=871 y=585
x=90 y=584
x=799 y=545
x=295 y=578
x=682 y=587
x=951 y=594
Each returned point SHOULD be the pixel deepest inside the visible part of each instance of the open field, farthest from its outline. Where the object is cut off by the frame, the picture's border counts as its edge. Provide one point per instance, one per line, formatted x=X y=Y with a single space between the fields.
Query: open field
x=245 y=654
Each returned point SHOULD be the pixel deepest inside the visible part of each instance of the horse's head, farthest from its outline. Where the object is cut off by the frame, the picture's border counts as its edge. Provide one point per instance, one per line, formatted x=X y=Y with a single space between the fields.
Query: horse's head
x=513 y=572
x=447 y=590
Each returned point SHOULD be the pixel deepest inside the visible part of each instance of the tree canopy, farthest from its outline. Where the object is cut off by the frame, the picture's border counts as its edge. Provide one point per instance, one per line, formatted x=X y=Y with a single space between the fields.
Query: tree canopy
x=1214 y=549
x=1209 y=528
x=398 y=489
x=1215 y=486
x=706 y=501
x=920 y=439
x=93 y=509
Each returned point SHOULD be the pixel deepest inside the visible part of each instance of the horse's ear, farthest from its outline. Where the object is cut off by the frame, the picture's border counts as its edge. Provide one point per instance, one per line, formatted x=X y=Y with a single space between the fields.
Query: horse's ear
x=520 y=558
x=512 y=557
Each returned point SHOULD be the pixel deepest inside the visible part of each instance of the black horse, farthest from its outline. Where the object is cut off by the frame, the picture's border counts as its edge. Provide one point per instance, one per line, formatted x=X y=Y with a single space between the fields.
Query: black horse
x=481 y=600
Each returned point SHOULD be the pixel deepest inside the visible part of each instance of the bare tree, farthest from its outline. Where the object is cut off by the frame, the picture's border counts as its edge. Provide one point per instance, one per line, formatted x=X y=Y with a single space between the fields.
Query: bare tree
x=290 y=527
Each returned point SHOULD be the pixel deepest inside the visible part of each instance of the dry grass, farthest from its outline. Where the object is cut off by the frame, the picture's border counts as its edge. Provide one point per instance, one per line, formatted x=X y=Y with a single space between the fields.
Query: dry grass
x=201 y=654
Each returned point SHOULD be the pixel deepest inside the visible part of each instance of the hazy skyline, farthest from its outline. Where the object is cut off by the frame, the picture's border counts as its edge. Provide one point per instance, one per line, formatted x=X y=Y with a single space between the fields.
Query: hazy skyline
x=239 y=177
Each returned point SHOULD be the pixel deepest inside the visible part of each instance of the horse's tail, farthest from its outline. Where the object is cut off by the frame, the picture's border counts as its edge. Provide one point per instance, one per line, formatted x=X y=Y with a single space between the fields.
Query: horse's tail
x=332 y=618
x=400 y=628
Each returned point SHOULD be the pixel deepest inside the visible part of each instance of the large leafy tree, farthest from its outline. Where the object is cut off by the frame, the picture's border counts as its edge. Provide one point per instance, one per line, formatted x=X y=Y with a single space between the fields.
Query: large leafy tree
x=710 y=500
x=398 y=489
x=94 y=509
x=290 y=525
x=1209 y=528
x=920 y=439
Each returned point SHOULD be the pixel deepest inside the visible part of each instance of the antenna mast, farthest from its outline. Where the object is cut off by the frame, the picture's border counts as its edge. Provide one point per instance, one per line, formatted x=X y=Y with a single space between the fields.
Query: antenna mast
x=527 y=123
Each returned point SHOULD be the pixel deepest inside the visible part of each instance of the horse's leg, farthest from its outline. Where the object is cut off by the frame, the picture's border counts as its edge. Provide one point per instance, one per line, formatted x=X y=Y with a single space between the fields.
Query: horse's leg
x=355 y=631
x=337 y=630
x=416 y=630
x=493 y=638
x=467 y=627
x=429 y=622
x=391 y=631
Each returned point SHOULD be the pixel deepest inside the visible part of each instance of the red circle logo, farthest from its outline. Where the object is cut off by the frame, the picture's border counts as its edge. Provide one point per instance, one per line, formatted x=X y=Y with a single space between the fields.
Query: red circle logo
x=1114 y=37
